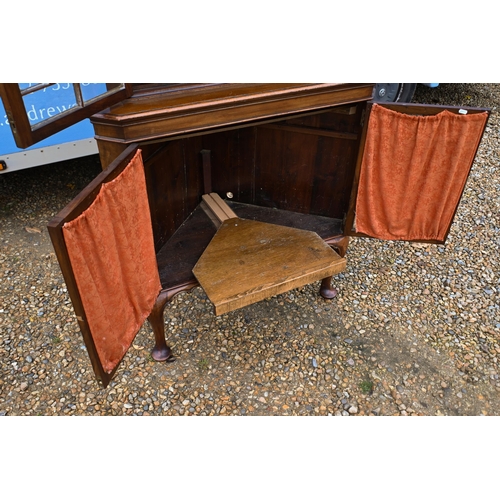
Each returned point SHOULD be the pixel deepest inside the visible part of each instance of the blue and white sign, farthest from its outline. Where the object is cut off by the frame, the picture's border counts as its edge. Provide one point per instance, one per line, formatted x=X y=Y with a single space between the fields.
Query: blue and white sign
x=73 y=142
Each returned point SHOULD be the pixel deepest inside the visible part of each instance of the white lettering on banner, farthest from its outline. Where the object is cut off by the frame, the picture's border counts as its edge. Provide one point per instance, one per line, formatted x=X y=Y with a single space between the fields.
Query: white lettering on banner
x=64 y=108
x=34 y=114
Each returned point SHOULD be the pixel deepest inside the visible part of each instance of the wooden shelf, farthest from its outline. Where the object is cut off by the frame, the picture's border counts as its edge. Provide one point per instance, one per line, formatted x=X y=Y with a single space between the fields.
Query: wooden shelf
x=248 y=261
x=182 y=251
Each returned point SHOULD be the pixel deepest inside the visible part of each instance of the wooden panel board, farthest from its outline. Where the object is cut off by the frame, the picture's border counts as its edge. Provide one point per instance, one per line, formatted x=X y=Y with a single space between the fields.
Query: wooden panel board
x=180 y=254
x=248 y=261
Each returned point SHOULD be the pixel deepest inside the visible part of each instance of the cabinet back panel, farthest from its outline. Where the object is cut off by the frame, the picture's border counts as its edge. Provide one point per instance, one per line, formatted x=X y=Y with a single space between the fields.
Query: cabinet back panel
x=173 y=178
x=278 y=165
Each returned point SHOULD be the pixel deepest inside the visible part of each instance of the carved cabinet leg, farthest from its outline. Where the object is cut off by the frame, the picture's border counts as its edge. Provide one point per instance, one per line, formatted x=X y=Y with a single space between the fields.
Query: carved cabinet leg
x=161 y=351
x=326 y=290
x=339 y=244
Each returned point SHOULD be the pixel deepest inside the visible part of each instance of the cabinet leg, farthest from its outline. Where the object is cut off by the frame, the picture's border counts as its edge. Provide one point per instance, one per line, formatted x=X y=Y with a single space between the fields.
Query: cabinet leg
x=326 y=290
x=161 y=351
x=339 y=244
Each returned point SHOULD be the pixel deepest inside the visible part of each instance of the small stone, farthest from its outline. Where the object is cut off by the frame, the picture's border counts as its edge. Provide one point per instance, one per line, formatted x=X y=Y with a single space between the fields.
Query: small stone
x=23 y=386
x=353 y=410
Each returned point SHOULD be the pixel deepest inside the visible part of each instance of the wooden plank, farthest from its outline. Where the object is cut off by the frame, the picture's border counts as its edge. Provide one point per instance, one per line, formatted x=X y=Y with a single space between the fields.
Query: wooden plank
x=248 y=261
x=211 y=205
x=215 y=206
x=223 y=206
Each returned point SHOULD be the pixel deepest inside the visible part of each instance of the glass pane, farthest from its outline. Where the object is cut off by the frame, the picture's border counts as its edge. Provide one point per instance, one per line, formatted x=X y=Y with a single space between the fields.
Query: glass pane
x=47 y=102
x=44 y=101
x=92 y=90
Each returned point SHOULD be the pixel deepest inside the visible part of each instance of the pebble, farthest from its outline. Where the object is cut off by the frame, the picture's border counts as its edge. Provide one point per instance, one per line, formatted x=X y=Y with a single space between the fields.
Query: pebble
x=414 y=329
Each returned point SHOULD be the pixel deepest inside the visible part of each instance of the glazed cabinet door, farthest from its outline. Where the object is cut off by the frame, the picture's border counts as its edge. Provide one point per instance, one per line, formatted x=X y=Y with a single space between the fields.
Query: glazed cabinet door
x=34 y=114
x=411 y=171
x=103 y=240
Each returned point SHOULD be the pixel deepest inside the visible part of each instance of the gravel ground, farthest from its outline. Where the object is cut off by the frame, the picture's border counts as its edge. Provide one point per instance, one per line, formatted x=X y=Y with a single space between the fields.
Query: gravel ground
x=415 y=329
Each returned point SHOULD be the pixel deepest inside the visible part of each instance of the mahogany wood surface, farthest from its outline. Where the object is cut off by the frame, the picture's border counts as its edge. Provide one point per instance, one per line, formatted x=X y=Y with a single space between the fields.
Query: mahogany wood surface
x=270 y=167
x=162 y=115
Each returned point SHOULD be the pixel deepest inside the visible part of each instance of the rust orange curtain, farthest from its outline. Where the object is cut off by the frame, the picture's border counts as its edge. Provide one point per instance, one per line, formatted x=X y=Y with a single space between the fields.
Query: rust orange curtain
x=111 y=249
x=413 y=172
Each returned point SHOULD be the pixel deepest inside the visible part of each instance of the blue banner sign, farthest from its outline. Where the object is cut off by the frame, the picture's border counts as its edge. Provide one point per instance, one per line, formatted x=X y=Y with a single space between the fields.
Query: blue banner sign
x=45 y=104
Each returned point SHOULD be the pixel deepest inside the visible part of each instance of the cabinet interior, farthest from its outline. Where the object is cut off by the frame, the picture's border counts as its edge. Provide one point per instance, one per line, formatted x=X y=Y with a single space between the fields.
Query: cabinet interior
x=296 y=172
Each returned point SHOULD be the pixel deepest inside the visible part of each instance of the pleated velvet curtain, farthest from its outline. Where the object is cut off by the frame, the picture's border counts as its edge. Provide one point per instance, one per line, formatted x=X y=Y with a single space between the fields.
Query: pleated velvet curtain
x=111 y=249
x=413 y=172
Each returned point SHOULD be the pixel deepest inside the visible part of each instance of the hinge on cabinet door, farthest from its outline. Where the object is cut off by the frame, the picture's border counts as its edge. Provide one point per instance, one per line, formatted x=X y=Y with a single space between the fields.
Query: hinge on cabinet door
x=11 y=121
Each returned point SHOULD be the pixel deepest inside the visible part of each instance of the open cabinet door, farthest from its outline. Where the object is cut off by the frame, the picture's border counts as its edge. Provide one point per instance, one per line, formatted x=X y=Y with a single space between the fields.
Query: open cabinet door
x=412 y=168
x=82 y=101
x=104 y=243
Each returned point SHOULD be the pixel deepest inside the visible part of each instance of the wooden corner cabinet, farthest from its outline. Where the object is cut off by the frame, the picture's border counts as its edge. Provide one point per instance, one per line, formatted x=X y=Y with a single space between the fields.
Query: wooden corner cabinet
x=249 y=190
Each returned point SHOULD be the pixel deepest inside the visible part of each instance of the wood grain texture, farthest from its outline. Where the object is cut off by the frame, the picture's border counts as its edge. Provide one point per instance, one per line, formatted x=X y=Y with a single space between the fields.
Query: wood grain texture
x=174 y=113
x=182 y=251
x=248 y=261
